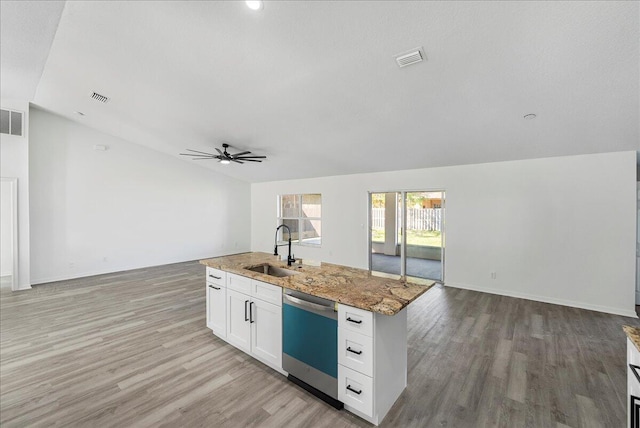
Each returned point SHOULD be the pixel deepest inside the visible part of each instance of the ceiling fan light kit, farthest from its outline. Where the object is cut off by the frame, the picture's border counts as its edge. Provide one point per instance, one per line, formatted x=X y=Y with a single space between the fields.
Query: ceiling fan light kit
x=223 y=156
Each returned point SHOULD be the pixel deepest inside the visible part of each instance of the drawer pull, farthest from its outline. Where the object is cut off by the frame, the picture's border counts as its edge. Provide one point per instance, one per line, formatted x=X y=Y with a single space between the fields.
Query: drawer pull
x=355 y=352
x=353 y=390
x=354 y=321
x=216 y=277
x=214 y=287
x=245 y=310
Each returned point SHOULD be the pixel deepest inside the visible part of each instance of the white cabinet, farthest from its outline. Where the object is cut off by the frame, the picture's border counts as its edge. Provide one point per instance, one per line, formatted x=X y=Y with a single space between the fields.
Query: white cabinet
x=372 y=361
x=266 y=332
x=633 y=383
x=355 y=319
x=238 y=326
x=254 y=325
x=355 y=351
x=239 y=283
x=216 y=292
x=217 y=309
x=356 y=390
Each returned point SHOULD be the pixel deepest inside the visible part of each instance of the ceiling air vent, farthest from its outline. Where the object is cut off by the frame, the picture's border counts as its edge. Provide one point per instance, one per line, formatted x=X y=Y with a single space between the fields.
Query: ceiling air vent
x=412 y=57
x=98 y=97
x=11 y=122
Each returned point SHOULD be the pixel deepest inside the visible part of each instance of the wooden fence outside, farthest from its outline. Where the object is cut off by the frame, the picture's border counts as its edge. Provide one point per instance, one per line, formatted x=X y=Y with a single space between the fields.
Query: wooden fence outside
x=417 y=218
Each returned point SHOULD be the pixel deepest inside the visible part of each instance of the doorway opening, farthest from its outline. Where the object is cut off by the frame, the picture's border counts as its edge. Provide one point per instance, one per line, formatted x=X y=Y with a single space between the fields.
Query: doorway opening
x=406 y=238
x=9 y=233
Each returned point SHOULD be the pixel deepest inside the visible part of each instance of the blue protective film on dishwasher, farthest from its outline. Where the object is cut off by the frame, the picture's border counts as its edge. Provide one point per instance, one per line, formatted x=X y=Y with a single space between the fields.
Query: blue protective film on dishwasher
x=310 y=338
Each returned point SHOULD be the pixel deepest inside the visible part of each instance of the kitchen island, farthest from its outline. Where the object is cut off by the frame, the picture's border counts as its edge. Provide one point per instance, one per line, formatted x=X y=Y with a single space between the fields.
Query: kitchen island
x=364 y=358
x=633 y=375
x=342 y=284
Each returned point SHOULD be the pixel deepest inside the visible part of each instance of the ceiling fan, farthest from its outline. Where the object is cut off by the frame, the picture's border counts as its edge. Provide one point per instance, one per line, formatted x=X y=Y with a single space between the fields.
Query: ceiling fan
x=224 y=157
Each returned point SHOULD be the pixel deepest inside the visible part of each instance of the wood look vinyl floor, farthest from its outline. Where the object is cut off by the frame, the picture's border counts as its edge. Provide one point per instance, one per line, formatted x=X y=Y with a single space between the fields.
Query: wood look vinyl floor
x=132 y=349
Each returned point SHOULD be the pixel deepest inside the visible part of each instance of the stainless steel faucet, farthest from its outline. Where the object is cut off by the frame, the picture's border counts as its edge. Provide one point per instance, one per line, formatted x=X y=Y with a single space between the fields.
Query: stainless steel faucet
x=290 y=259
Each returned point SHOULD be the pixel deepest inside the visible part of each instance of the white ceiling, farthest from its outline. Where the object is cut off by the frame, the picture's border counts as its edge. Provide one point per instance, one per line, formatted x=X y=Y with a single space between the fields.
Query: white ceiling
x=26 y=33
x=314 y=85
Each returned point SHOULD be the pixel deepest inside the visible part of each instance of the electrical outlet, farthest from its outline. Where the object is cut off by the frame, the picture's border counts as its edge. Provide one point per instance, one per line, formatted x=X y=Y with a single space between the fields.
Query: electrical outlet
x=493 y=275
x=104 y=259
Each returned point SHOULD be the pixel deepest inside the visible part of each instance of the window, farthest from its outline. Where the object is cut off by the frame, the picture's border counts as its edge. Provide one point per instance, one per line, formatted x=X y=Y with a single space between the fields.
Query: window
x=303 y=215
x=10 y=122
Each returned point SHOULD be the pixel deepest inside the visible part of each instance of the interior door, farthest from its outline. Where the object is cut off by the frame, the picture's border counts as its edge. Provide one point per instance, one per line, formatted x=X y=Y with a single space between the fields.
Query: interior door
x=238 y=326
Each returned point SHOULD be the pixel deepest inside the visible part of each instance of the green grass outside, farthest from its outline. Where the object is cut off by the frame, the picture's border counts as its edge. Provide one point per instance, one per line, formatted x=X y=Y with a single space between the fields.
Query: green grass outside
x=426 y=238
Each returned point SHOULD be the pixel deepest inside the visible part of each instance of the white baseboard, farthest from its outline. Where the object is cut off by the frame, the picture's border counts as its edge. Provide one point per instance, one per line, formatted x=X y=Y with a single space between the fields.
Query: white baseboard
x=114 y=269
x=606 y=309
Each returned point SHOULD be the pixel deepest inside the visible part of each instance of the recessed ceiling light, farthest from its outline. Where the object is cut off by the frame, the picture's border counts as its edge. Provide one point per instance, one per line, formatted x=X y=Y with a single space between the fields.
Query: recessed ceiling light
x=225 y=162
x=79 y=113
x=530 y=116
x=254 y=5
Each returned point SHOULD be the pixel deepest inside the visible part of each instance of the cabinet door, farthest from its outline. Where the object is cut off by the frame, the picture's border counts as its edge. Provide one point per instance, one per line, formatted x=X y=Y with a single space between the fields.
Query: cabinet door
x=217 y=309
x=266 y=332
x=238 y=326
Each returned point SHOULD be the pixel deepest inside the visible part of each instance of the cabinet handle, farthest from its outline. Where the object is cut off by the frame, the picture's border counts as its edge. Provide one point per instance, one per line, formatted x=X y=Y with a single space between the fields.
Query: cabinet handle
x=251 y=320
x=353 y=390
x=216 y=277
x=354 y=321
x=215 y=288
x=355 y=352
x=245 y=310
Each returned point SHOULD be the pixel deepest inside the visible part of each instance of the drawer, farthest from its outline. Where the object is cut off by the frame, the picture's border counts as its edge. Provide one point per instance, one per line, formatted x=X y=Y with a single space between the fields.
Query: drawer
x=355 y=351
x=355 y=319
x=355 y=390
x=239 y=283
x=267 y=292
x=216 y=276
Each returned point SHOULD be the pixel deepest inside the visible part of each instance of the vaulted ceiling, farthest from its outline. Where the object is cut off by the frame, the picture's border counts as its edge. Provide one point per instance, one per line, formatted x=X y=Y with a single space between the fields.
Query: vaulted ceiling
x=314 y=85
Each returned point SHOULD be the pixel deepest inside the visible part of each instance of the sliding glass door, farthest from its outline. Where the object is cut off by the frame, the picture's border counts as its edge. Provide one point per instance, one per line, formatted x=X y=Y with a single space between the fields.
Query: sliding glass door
x=386 y=233
x=406 y=237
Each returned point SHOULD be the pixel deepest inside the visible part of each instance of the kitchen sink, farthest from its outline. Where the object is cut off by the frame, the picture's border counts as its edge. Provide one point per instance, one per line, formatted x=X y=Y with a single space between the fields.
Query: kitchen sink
x=271 y=270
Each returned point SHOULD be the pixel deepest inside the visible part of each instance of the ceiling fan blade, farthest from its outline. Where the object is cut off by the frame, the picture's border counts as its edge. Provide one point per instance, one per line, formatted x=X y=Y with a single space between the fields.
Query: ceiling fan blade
x=204 y=153
x=251 y=160
x=212 y=157
x=218 y=150
x=197 y=155
x=236 y=161
x=252 y=157
x=240 y=154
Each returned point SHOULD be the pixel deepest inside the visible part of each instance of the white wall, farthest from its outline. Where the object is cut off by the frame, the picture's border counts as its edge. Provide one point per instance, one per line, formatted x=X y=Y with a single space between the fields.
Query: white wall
x=14 y=163
x=127 y=207
x=560 y=230
x=6 y=229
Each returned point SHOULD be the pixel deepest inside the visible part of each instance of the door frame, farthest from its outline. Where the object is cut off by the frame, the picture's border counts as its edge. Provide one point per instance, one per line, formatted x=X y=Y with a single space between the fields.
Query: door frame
x=13 y=184
x=403 y=243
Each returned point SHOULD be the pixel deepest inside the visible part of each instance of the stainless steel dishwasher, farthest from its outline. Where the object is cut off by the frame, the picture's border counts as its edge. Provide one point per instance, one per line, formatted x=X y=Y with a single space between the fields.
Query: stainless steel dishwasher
x=310 y=344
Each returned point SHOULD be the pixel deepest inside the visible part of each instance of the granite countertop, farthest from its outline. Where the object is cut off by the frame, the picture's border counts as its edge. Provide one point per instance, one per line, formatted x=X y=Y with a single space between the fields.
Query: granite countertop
x=633 y=333
x=351 y=286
